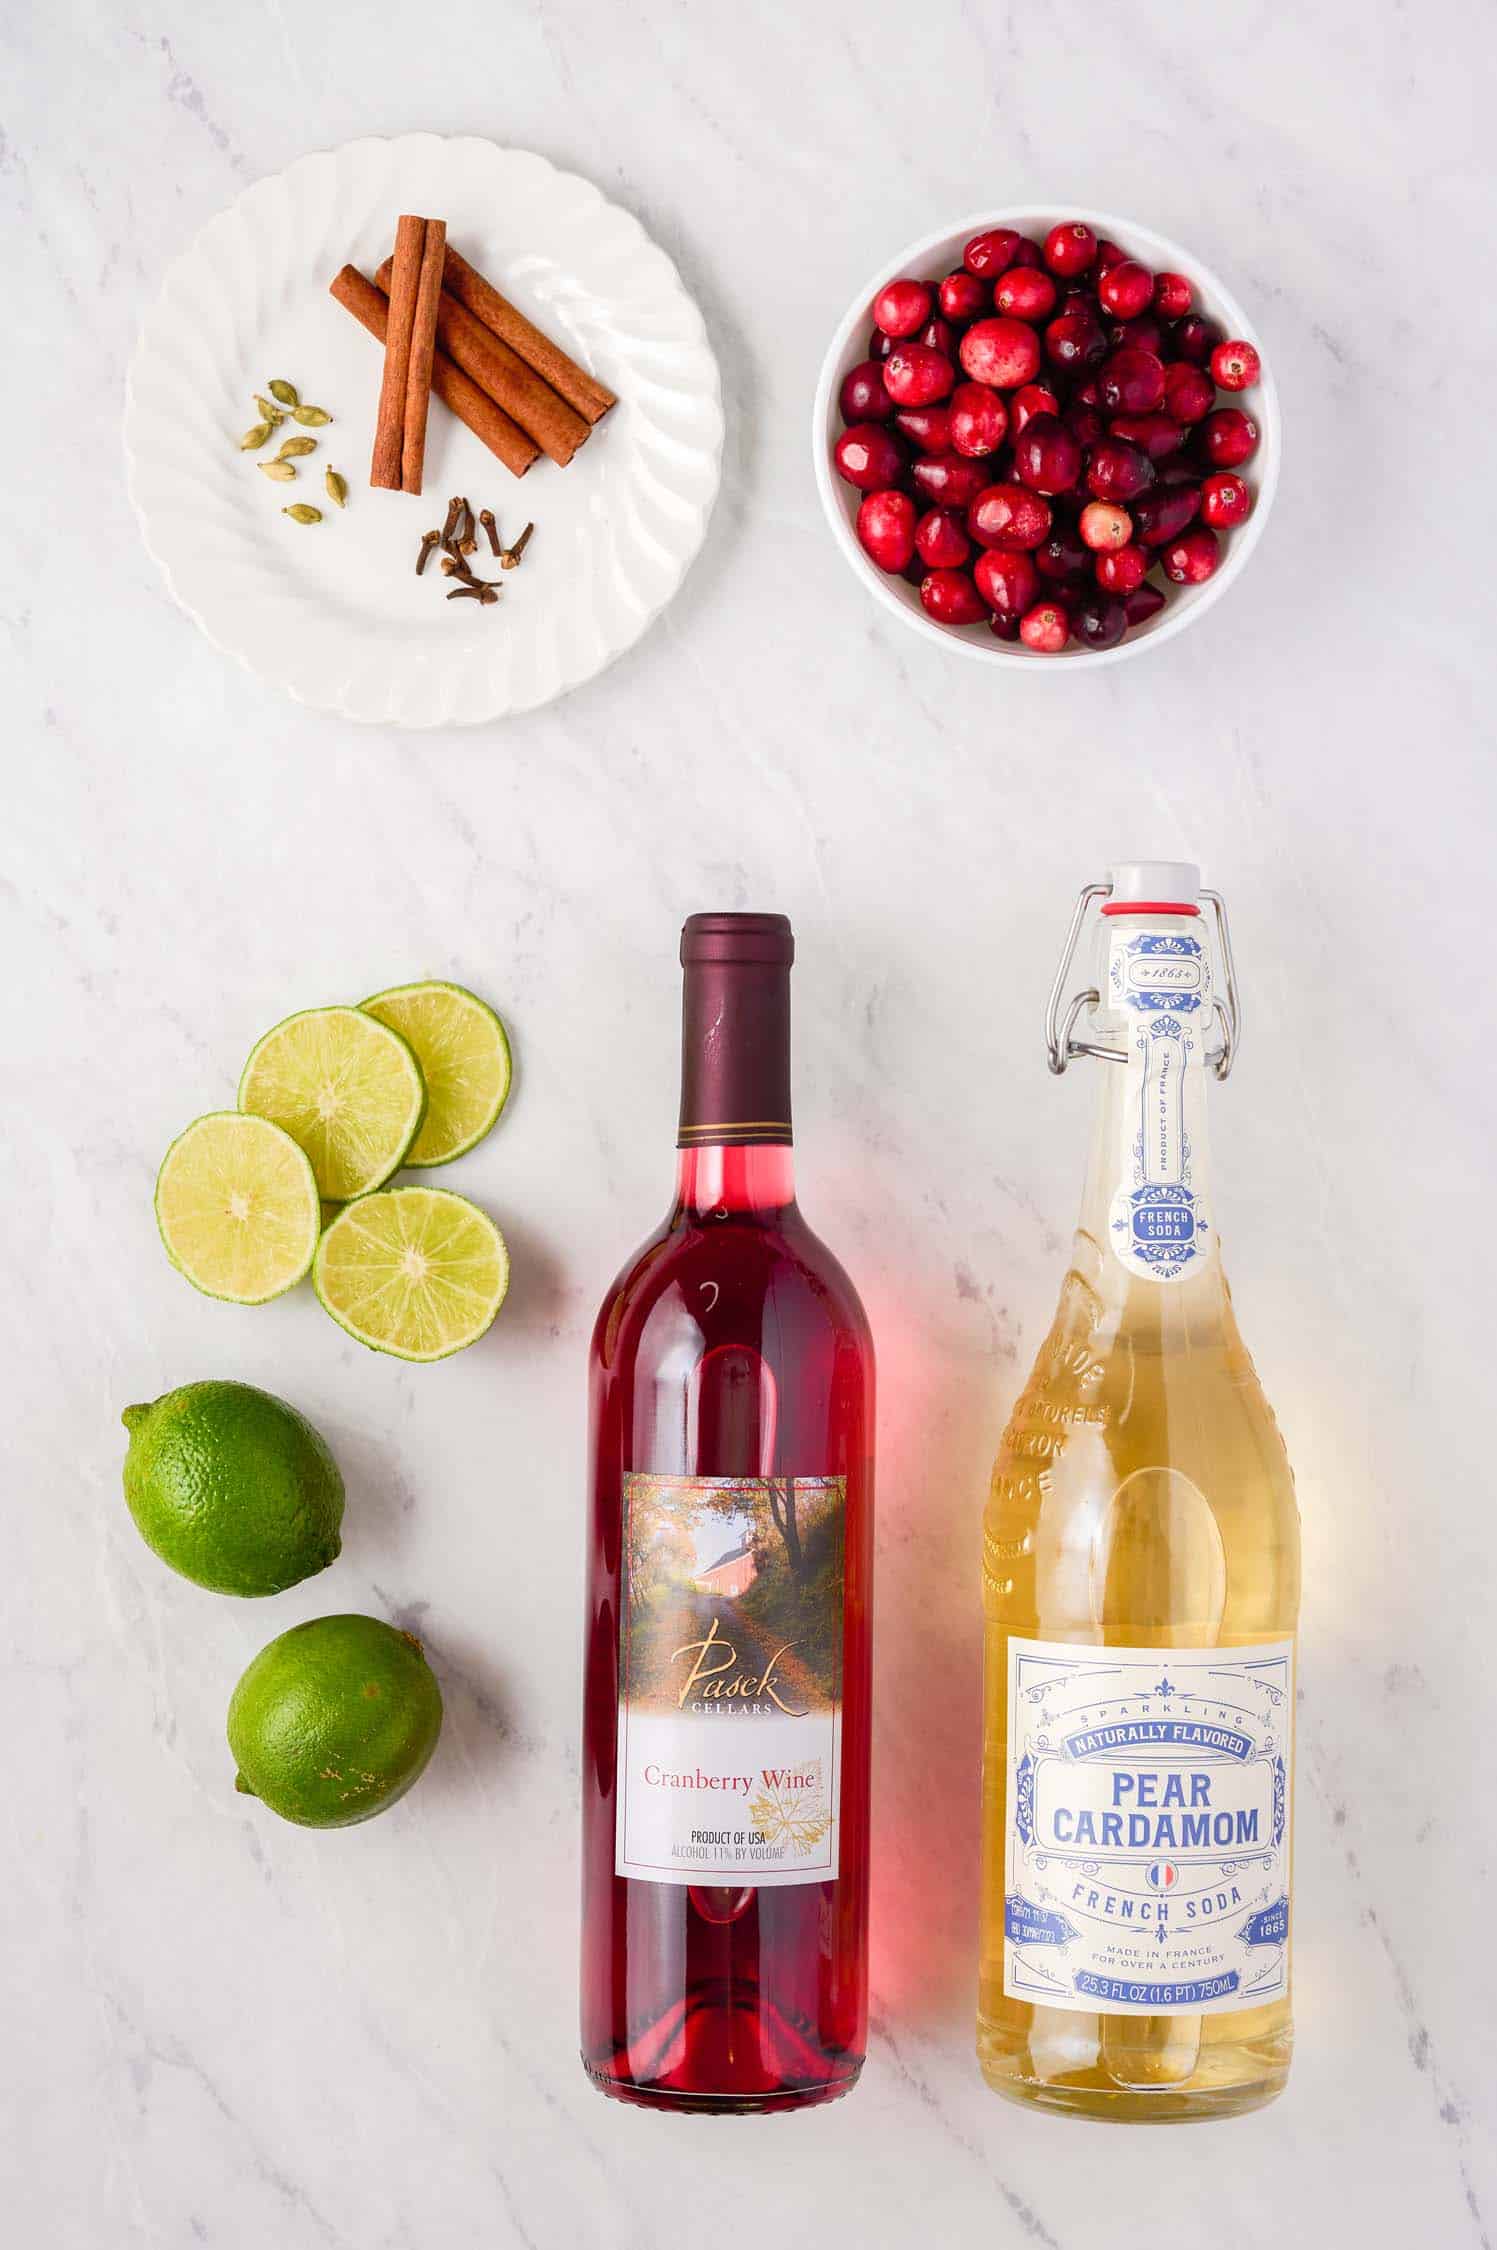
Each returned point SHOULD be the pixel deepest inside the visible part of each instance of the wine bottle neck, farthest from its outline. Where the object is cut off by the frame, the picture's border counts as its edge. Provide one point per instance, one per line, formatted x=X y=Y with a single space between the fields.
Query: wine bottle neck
x=735 y=1036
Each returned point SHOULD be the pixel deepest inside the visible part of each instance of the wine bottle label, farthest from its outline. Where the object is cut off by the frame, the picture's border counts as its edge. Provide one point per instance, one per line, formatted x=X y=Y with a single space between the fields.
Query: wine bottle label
x=1160 y=991
x=730 y=1679
x=1147 y=1845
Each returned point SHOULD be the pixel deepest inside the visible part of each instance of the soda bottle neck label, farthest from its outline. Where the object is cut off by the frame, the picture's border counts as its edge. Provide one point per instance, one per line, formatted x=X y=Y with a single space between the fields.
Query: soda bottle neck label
x=1159 y=998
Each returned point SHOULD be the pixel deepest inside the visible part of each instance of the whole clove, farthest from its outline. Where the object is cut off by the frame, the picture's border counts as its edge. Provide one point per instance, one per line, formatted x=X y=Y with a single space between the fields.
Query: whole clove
x=510 y=556
x=486 y=518
x=428 y=541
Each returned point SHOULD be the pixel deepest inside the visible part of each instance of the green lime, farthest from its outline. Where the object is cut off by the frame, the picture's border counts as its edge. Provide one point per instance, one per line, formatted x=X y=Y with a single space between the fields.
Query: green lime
x=346 y=1088
x=334 y=1721
x=237 y=1207
x=233 y=1488
x=416 y=1271
x=463 y=1051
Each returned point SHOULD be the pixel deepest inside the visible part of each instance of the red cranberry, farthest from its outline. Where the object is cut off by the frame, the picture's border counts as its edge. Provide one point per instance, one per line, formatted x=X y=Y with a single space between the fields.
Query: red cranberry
x=1156 y=433
x=1079 y=298
x=979 y=419
x=1131 y=382
x=1145 y=334
x=863 y=397
x=1122 y=570
x=951 y=598
x=1074 y=341
x=1062 y=560
x=914 y=375
x=1100 y=621
x=1007 y=580
x=1029 y=400
x=1229 y=437
x=929 y=427
x=1046 y=456
x=1005 y=624
x=1005 y=515
x=1189 y=392
x=1084 y=423
x=963 y=296
x=1024 y=294
x=1070 y=249
x=1104 y=525
x=1108 y=254
x=941 y=539
x=869 y=457
x=879 y=345
x=948 y=481
x=1143 y=603
x=1225 y=500
x=1161 y=516
x=1190 y=561
x=1004 y=353
x=1026 y=253
x=1045 y=628
x=1236 y=365
x=1117 y=470
x=1172 y=297
x=886 y=529
x=1125 y=289
x=1196 y=338
x=901 y=307
x=939 y=336
x=993 y=252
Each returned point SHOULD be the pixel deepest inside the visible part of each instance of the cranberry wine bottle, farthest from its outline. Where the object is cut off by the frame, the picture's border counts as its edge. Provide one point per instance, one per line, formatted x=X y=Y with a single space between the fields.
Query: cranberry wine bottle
x=725 y=1764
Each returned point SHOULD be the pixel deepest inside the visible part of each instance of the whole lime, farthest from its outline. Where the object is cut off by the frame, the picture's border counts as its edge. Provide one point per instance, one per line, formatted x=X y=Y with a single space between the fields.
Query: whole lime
x=233 y=1488
x=334 y=1721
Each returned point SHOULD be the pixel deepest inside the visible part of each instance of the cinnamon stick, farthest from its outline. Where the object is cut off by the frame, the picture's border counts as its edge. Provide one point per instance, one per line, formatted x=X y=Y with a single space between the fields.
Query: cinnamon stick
x=423 y=344
x=472 y=406
x=389 y=427
x=557 y=428
x=591 y=398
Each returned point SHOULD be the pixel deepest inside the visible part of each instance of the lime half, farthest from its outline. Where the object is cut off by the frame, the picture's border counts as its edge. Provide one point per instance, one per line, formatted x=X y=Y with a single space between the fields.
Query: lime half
x=237 y=1207
x=346 y=1088
x=464 y=1055
x=417 y=1271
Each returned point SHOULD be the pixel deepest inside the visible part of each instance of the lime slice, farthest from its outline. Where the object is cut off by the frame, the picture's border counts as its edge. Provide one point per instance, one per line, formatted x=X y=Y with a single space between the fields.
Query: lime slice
x=464 y=1056
x=237 y=1207
x=346 y=1088
x=417 y=1271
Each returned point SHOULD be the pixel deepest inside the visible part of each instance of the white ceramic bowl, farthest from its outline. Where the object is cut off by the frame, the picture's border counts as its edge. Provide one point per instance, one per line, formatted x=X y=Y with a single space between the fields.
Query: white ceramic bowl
x=936 y=254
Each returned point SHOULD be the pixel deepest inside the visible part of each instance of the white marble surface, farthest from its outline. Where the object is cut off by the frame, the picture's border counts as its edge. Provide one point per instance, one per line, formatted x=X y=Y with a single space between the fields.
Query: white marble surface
x=221 y=2030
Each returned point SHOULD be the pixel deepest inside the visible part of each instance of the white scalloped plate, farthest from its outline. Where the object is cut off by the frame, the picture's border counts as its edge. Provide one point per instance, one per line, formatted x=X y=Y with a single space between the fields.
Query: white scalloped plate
x=334 y=611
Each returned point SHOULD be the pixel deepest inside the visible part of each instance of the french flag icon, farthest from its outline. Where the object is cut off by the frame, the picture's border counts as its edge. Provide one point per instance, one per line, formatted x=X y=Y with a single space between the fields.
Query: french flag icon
x=1163 y=1875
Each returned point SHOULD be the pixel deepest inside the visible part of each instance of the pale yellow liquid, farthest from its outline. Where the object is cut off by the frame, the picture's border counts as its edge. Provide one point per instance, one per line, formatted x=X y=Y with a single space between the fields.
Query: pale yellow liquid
x=1142 y=1496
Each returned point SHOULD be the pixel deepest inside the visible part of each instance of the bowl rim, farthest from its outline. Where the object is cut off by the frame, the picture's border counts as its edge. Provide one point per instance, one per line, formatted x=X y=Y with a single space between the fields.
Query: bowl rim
x=1165 y=254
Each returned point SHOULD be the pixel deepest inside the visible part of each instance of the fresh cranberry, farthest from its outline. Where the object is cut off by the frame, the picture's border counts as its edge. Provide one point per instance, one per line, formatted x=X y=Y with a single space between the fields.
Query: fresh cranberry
x=929 y=427
x=1007 y=579
x=863 y=397
x=963 y=295
x=1108 y=255
x=1084 y=423
x=1004 y=353
x=914 y=375
x=992 y=252
x=1074 y=341
x=1005 y=624
x=1070 y=249
x=869 y=457
x=1045 y=628
x=1029 y=400
x=901 y=307
x=1125 y=289
x=1156 y=433
x=951 y=598
x=1104 y=525
x=886 y=529
x=879 y=345
x=1005 y=515
x=1024 y=294
x=979 y=419
x=1146 y=334
x=941 y=539
x=1225 y=500
x=1062 y=559
x=939 y=336
x=1131 y=382
x=1100 y=621
x=946 y=480
x=1026 y=253
x=1189 y=392
x=1190 y=561
x=1122 y=570
x=1143 y=603
x=1229 y=437
x=1196 y=338
x=1236 y=365
x=1172 y=295
x=1046 y=456
x=1117 y=470
x=1161 y=516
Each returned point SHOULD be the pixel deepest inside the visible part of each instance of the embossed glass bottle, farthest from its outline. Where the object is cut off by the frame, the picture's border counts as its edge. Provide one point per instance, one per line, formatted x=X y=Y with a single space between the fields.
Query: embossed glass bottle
x=1141 y=1593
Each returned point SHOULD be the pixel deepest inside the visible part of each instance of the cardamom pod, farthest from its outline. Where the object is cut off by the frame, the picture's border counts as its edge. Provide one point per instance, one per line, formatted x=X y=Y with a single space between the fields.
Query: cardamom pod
x=301 y=513
x=269 y=410
x=286 y=392
x=292 y=448
x=337 y=487
x=280 y=472
x=313 y=416
x=253 y=439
